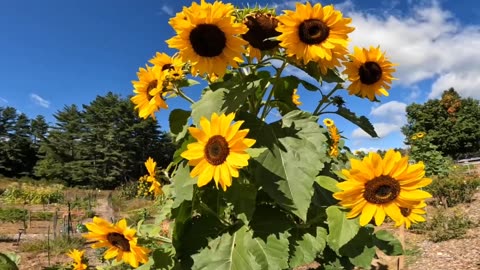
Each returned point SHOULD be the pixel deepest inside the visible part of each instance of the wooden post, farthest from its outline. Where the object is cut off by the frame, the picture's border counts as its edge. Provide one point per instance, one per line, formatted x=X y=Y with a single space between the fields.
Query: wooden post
x=55 y=218
x=401 y=260
x=48 y=245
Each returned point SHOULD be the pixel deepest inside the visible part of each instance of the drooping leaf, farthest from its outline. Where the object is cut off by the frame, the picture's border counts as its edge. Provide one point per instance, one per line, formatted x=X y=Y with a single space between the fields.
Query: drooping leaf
x=178 y=120
x=307 y=247
x=262 y=225
x=332 y=76
x=227 y=99
x=6 y=263
x=182 y=184
x=388 y=243
x=341 y=230
x=362 y=121
x=360 y=250
x=227 y=252
x=271 y=253
x=296 y=153
x=242 y=194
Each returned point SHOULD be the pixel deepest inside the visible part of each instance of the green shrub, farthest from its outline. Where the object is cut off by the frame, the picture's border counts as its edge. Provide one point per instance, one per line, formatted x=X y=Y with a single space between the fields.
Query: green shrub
x=454 y=188
x=33 y=194
x=42 y=215
x=13 y=215
x=59 y=245
x=444 y=227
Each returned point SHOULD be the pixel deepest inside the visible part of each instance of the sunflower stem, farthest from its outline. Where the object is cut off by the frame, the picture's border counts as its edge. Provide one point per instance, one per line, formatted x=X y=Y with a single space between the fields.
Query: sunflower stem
x=180 y=93
x=270 y=95
x=325 y=100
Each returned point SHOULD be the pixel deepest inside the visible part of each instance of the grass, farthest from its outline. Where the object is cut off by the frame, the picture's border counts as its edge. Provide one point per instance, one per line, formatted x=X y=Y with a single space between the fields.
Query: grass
x=59 y=245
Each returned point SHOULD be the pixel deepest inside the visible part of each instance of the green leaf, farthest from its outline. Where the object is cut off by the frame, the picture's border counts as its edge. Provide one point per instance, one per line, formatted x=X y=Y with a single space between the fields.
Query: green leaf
x=226 y=100
x=388 y=243
x=307 y=247
x=191 y=234
x=360 y=250
x=178 y=120
x=242 y=195
x=227 y=252
x=6 y=263
x=271 y=253
x=182 y=184
x=362 y=121
x=163 y=259
x=211 y=102
x=341 y=229
x=332 y=76
x=262 y=225
x=296 y=153
x=255 y=152
x=187 y=82
x=327 y=183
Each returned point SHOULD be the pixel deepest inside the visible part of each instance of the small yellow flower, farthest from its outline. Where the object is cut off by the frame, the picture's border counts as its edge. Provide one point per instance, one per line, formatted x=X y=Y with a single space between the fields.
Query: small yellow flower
x=412 y=215
x=296 y=98
x=328 y=122
x=414 y=137
x=219 y=151
x=77 y=257
x=156 y=187
x=420 y=135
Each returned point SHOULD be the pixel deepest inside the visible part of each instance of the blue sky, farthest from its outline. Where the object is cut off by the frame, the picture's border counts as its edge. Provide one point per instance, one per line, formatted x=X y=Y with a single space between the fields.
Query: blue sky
x=55 y=53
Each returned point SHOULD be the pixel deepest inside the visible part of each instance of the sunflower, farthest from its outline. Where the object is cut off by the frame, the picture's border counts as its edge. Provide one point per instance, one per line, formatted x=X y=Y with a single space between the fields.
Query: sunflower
x=261 y=29
x=370 y=73
x=207 y=36
x=219 y=151
x=313 y=33
x=119 y=239
x=376 y=187
x=412 y=215
x=328 y=122
x=77 y=257
x=172 y=66
x=148 y=91
x=296 y=98
x=420 y=135
x=155 y=187
x=414 y=137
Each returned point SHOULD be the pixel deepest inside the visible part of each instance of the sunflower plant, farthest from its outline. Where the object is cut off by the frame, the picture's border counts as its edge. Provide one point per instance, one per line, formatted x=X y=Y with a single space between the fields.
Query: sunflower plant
x=256 y=181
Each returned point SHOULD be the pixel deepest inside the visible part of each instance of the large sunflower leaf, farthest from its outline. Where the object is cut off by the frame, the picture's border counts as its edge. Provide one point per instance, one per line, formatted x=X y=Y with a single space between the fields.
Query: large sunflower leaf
x=182 y=184
x=388 y=243
x=227 y=252
x=362 y=121
x=360 y=250
x=227 y=100
x=341 y=229
x=296 y=153
x=307 y=246
x=178 y=120
x=242 y=194
x=271 y=253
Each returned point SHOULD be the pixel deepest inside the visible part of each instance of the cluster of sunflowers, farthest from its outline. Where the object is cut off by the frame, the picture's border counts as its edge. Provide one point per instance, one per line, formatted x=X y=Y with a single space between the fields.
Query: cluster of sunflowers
x=418 y=135
x=210 y=38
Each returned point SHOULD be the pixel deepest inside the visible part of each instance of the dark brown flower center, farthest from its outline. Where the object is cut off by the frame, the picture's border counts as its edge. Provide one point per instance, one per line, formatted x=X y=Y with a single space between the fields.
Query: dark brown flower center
x=167 y=66
x=370 y=73
x=208 y=40
x=313 y=31
x=261 y=28
x=216 y=151
x=152 y=85
x=382 y=189
x=118 y=240
x=405 y=211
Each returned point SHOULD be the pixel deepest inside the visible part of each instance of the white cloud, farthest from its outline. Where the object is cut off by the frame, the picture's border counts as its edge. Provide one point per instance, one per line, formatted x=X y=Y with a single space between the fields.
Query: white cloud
x=3 y=101
x=168 y=10
x=467 y=83
x=39 y=100
x=427 y=43
x=366 y=150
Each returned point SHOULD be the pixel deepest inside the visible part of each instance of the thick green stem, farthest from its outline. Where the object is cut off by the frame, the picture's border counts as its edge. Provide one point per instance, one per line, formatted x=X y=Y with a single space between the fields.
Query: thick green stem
x=326 y=100
x=270 y=95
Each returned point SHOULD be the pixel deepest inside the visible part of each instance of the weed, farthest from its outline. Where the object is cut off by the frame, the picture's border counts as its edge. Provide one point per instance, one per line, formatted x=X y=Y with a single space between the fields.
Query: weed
x=58 y=245
x=442 y=227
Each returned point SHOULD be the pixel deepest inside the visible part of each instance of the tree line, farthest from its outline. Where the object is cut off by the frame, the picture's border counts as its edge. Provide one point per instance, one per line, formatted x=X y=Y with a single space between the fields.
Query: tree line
x=102 y=144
